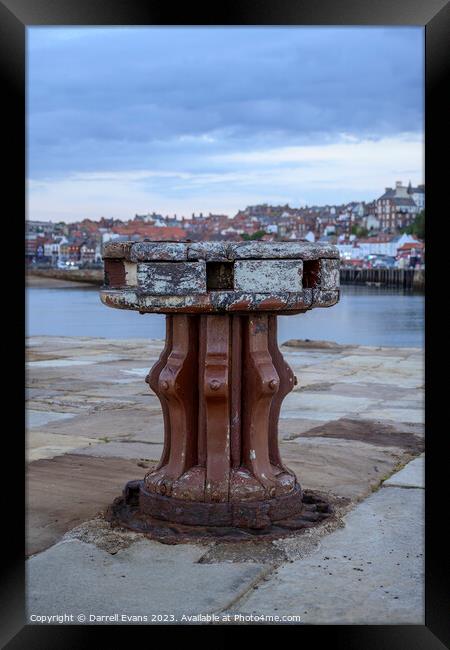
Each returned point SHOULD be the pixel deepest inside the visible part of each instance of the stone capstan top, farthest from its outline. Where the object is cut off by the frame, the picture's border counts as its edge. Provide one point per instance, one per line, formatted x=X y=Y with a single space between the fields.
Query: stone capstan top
x=217 y=251
x=217 y=277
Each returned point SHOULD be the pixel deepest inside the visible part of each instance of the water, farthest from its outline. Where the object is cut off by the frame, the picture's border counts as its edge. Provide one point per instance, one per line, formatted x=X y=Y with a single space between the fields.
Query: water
x=364 y=315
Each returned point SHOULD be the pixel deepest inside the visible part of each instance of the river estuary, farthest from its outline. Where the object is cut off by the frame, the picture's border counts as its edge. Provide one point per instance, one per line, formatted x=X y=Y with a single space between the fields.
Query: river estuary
x=364 y=315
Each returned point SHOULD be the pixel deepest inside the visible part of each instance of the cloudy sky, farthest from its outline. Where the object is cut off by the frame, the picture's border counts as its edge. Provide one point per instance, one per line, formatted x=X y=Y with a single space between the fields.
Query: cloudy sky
x=179 y=120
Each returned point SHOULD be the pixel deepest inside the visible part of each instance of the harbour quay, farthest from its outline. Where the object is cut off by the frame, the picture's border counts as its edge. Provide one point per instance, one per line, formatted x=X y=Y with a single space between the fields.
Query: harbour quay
x=352 y=430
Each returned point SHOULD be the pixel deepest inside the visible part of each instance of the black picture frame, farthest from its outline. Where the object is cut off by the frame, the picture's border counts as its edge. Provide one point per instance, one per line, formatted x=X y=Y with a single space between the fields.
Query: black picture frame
x=15 y=17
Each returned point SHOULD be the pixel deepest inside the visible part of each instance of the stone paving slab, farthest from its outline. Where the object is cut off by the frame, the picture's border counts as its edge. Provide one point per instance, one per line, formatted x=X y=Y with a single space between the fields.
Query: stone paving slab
x=64 y=491
x=144 y=579
x=415 y=415
x=130 y=449
x=292 y=427
x=365 y=389
x=40 y=418
x=413 y=475
x=315 y=407
x=59 y=363
x=370 y=572
x=376 y=368
x=332 y=466
x=47 y=445
x=122 y=423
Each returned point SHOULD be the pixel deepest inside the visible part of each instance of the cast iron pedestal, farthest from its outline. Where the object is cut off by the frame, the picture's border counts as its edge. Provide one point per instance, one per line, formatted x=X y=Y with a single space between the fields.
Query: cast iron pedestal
x=221 y=380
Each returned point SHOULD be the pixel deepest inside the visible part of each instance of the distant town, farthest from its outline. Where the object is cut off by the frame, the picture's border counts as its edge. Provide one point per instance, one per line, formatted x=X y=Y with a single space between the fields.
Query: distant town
x=388 y=232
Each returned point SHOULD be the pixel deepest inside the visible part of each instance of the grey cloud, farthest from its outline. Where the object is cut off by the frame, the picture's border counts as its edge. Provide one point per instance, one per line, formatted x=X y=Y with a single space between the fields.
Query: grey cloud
x=118 y=98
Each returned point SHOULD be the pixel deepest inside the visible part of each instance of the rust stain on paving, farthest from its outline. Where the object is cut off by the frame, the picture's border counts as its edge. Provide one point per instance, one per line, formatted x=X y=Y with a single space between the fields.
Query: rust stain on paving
x=405 y=437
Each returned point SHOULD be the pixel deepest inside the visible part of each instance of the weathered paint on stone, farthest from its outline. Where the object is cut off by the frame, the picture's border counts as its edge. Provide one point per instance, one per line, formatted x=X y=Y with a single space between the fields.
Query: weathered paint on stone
x=215 y=301
x=329 y=274
x=119 y=250
x=164 y=251
x=150 y=303
x=130 y=274
x=120 y=299
x=275 y=301
x=325 y=298
x=172 y=278
x=284 y=250
x=217 y=251
x=267 y=276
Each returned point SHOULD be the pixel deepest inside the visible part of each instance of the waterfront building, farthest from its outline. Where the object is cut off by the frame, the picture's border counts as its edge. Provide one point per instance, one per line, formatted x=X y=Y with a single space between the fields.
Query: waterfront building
x=395 y=208
x=87 y=252
x=52 y=249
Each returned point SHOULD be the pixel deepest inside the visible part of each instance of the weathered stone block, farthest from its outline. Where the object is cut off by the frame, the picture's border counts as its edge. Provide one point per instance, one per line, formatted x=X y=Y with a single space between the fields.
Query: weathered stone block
x=211 y=251
x=219 y=251
x=283 y=250
x=172 y=278
x=116 y=250
x=326 y=298
x=268 y=275
x=329 y=274
x=164 y=251
x=130 y=274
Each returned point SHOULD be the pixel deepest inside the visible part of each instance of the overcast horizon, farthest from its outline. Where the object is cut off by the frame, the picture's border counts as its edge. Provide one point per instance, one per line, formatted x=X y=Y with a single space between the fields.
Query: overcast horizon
x=179 y=120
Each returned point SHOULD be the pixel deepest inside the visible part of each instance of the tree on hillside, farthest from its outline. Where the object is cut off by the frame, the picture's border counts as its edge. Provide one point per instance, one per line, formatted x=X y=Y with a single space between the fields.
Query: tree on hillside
x=359 y=231
x=417 y=228
x=259 y=234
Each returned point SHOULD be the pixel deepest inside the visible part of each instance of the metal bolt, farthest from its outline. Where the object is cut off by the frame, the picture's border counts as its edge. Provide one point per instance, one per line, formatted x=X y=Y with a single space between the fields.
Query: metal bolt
x=215 y=384
x=273 y=383
x=164 y=385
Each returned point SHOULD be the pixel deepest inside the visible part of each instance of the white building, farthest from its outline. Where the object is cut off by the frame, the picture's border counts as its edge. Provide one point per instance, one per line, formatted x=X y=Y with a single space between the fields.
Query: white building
x=385 y=248
x=98 y=253
x=53 y=248
x=349 y=252
x=371 y=222
x=418 y=195
x=109 y=236
x=231 y=231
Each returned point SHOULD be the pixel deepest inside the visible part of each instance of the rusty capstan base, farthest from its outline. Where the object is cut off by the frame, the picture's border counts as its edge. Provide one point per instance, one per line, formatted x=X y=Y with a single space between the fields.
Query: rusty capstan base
x=127 y=512
x=221 y=380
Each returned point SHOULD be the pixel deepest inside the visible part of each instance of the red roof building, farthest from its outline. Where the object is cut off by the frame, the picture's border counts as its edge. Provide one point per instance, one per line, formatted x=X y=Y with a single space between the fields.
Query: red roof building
x=170 y=233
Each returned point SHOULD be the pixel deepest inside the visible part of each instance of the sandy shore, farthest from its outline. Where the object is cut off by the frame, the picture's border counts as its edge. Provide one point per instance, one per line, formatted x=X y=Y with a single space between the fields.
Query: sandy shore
x=52 y=283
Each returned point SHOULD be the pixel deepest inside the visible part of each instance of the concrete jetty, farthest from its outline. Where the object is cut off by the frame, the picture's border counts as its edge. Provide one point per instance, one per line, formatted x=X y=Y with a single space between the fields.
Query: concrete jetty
x=352 y=430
